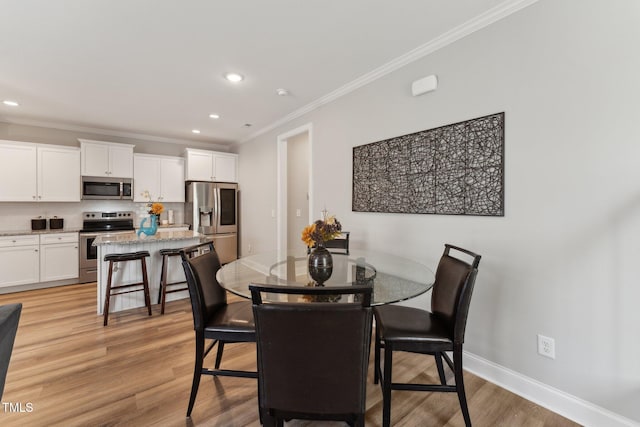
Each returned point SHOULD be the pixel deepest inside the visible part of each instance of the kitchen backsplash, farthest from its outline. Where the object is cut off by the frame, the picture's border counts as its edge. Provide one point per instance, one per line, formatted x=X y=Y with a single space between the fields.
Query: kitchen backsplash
x=17 y=216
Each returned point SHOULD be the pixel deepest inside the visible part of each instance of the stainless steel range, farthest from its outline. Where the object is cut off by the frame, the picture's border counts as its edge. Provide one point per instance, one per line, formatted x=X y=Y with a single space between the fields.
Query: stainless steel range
x=95 y=224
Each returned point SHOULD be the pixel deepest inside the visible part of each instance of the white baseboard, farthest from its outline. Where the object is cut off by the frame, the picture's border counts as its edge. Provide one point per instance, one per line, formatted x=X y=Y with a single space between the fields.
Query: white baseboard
x=571 y=407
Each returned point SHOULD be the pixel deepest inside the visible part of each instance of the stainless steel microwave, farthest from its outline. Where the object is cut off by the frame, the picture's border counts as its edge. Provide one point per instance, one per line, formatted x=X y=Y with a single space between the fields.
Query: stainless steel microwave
x=104 y=188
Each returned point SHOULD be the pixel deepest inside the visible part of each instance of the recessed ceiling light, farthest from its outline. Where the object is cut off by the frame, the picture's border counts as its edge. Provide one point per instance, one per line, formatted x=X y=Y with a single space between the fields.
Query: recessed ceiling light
x=214 y=116
x=282 y=92
x=195 y=131
x=234 y=77
x=10 y=103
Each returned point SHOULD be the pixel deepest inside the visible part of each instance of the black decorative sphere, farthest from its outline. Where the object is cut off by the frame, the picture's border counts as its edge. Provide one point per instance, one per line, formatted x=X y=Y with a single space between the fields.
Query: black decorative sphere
x=320 y=265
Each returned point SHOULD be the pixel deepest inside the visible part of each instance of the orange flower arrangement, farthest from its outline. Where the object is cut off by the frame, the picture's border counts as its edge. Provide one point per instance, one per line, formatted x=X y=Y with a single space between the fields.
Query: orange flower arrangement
x=156 y=208
x=321 y=230
x=153 y=208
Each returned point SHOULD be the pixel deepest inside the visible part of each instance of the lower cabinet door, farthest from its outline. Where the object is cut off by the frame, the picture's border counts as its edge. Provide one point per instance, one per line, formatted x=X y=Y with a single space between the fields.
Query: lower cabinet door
x=58 y=261
x=19 y=265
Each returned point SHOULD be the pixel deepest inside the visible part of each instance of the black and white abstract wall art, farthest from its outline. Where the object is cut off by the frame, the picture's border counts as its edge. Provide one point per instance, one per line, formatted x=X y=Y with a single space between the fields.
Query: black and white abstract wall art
x=456 y=169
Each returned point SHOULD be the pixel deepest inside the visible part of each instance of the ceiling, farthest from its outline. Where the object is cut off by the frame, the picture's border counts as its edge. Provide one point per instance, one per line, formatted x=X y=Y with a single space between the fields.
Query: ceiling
x=154 y=68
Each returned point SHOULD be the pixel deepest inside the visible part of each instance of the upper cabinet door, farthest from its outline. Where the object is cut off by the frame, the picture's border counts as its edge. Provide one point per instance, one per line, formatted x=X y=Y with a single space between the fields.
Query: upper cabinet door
x=225 y=167
x=146 y=177
x=199 y=165
x=121 y=161
x=95 y=159
x=172 y=179
x=106 y=159
x=18 y=172
x=58 y=174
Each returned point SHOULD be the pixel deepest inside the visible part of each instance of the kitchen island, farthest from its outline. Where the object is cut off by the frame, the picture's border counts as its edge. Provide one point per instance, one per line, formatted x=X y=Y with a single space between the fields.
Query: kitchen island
x=130 y=272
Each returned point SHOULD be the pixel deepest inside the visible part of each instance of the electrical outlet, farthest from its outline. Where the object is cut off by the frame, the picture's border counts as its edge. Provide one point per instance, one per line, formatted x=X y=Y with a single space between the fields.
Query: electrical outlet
x=249 y=248
x=546 y=346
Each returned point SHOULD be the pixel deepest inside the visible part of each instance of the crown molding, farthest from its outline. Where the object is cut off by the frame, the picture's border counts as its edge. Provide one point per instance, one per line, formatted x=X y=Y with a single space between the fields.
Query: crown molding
x=479 y=22
x=111 y=132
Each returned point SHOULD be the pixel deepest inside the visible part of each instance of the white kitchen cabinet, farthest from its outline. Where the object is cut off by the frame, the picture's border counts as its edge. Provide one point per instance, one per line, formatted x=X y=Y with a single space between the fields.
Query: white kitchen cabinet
x=203 y=165
x=225 y=167
x=19 y=260
x=108 y=159
x=58 y=174
x=18 y=172
x=39 y=172
x=146 y=177
x=58 y=256
x=172 y=179
x=162 y=176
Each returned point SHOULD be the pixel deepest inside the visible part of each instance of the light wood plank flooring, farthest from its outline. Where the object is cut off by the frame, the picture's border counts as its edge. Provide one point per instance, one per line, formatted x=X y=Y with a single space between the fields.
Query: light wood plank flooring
x=137 y=372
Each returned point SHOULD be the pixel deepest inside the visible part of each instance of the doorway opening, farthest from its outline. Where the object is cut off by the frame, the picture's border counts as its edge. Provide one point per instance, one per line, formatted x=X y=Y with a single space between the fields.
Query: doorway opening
x=295 y=206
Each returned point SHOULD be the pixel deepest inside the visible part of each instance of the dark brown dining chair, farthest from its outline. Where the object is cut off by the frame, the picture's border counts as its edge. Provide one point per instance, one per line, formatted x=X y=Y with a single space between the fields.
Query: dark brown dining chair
x=432 y=332
x=312 y=356
x=213 y=318
x=9 y=317
x=339 y=245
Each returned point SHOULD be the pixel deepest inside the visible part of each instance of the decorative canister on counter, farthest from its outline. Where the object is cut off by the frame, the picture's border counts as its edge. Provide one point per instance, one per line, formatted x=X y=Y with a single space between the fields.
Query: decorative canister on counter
x=38 y=224
x=56 y=223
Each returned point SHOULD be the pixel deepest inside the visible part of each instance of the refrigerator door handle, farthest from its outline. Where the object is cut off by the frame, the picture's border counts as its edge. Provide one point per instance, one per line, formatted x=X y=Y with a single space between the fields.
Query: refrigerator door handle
x=216 y=206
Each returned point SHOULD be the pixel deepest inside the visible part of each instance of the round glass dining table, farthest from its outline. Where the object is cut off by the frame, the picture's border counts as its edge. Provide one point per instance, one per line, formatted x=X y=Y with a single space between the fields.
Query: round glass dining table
x=393 y=278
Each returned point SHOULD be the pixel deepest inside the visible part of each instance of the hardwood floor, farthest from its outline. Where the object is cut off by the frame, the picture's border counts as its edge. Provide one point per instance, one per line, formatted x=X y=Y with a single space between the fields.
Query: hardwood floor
x=137 y=371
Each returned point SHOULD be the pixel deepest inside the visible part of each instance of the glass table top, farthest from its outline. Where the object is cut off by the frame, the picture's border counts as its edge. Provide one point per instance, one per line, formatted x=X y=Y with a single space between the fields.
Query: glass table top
x=393 y=278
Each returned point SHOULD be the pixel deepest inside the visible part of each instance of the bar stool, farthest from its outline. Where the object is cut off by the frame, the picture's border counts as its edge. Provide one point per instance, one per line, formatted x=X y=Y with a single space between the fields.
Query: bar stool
x=164 y=277
x=131 y=256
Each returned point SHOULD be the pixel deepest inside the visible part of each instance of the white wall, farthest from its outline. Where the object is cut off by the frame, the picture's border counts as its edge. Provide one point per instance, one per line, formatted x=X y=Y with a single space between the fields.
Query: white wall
x=563 y=260
x=258 y=198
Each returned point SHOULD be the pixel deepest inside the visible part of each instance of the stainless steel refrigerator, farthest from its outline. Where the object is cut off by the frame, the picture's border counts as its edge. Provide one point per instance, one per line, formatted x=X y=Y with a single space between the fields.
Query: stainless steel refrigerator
x=211 y=209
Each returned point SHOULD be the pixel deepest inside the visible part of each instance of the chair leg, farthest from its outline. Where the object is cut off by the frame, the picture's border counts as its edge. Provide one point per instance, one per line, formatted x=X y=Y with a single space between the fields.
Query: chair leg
x=438 y=357
x=457 y=363
x=376 y=358
x=386 y=386
x=219 y=354
x=107 y=297
x=269 y=420
x=197 y=371
x=145 y=285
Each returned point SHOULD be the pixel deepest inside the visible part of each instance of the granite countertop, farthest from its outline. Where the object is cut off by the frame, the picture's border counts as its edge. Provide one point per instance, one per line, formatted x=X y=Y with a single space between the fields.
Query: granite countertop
x=32 y=232
x=132 y=237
